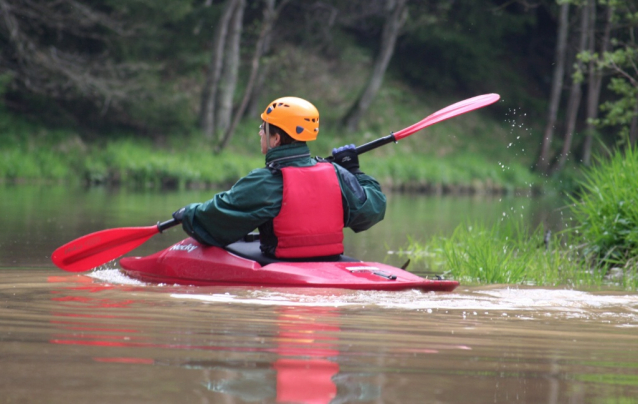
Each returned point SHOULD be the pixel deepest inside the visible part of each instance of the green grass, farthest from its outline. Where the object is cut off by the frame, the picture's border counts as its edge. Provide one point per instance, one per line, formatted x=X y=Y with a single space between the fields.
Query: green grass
x=607 y=211
x=600 y=247
x=506 y=252
x=31 y=153
x=463 y=172
x=140 y=163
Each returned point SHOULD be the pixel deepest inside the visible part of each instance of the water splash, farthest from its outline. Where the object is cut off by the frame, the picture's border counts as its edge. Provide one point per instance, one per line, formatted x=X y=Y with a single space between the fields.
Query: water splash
x=514 y=119
x=110 y=275
x=499 y=301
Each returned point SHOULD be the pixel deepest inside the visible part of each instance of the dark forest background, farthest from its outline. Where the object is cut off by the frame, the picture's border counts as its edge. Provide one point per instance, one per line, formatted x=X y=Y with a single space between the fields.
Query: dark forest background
x=162 y=68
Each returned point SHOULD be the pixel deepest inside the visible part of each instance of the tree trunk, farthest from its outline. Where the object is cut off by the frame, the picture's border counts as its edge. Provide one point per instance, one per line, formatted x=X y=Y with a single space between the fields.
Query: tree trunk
x=543 y=162
x=270 y=16
x=230 y=71
x=595 y=84
x=575 y=93
x=14 y=32
x=397 y=14
x=45 y=66
x=633 y=128
x=254 y=106
x=209 y=94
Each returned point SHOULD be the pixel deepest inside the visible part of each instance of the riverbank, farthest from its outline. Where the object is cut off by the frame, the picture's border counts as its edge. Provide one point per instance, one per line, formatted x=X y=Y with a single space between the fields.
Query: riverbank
x=476 y=153
x=141 y=165
x=186 y=162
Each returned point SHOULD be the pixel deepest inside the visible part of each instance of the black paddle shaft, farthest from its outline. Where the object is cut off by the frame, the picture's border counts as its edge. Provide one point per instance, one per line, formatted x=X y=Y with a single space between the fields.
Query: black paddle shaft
x=371 y=145
x=166 y=225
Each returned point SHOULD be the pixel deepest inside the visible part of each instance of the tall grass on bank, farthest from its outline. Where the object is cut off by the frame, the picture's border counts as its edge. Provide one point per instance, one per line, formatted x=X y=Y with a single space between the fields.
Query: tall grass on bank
x=460 y=173
x=460 y=156
x=507 y=252
x=139 y=163
x=600 y=248
x=29 y=152
x=123 y=162
x=607 y=211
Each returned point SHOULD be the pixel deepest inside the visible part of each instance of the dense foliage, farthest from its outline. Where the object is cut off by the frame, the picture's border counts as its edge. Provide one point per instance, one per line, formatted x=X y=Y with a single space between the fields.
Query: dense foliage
x=108 y=69
x=141 y=64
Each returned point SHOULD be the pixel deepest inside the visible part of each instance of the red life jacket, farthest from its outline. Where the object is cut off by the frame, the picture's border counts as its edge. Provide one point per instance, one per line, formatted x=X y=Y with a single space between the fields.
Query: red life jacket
x=310 y=222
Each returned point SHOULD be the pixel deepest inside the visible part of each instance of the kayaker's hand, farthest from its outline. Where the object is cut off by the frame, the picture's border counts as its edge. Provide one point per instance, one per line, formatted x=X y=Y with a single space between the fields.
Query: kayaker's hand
x=346 y=156
x=178 y=215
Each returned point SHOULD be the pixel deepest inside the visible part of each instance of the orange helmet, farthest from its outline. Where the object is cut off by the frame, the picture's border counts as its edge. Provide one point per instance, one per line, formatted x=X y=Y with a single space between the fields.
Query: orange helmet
x=297 y=117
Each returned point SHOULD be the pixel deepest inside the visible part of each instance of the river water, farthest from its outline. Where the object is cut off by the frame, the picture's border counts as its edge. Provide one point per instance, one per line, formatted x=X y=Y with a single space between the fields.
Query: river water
x=101 y=337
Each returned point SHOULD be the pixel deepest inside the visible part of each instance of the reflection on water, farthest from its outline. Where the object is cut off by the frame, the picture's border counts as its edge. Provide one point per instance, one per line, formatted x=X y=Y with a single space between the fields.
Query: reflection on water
x=124 y=341
x=303 y=372
x=103 y=337
x=36 y=220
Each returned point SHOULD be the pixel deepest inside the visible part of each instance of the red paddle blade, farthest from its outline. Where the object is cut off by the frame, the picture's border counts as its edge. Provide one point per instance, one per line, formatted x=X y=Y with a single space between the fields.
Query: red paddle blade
x=453 y=110
x=98 y=248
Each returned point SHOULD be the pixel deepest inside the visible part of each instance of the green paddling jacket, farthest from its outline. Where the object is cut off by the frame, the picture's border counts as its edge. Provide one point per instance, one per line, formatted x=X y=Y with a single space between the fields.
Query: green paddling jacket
x=256 y=199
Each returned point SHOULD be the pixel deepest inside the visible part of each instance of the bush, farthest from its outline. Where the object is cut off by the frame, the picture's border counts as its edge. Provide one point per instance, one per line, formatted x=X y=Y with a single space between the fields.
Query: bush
x=140 y=164
x=607 y=211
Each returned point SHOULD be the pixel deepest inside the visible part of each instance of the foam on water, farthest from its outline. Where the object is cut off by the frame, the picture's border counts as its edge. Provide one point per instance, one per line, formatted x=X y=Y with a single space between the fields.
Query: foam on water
x=469 y=301
x=502 y=299
x=114 y=276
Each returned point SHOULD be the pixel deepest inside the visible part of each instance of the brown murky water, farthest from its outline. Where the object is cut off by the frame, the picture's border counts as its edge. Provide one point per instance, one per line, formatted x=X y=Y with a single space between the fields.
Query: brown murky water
x=106 y=338
x=101 y=337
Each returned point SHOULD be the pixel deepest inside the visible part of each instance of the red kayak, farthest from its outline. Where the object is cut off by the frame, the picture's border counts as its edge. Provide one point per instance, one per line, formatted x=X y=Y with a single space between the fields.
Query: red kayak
x=242 y=264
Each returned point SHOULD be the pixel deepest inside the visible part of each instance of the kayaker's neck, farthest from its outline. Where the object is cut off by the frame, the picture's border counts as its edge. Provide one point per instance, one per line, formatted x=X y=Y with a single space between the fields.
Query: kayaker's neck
x=294 y=151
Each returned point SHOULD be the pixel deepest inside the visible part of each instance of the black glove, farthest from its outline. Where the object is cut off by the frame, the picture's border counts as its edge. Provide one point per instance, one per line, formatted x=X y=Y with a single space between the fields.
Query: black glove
x=346 y=157
x=178 y=215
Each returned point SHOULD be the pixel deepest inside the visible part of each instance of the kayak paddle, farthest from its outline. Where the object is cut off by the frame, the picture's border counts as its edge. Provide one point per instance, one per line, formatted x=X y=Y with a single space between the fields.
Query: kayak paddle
x=98 y=248
x=451 y=111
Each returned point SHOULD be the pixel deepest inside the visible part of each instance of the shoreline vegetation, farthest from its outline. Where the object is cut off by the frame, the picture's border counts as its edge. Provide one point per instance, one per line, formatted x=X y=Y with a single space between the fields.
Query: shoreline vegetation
x=477 y=153
x=129 y=165
x=31 y=154
x=598 y=248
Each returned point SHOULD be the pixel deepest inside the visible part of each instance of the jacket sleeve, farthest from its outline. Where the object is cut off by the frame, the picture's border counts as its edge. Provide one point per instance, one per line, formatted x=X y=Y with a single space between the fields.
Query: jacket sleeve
x=364 y=201
x=229 y=215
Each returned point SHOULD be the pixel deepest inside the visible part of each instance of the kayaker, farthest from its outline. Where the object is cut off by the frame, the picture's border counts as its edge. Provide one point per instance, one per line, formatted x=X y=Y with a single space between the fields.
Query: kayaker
x=299 y=204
